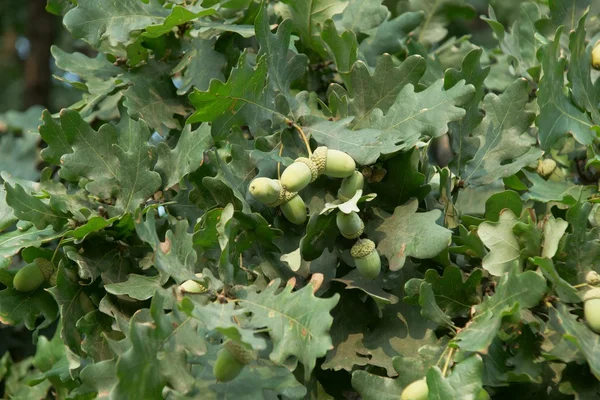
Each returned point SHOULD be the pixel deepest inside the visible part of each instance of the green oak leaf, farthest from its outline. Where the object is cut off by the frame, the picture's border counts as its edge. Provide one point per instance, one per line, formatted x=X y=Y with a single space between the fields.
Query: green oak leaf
x=453 y=293
x=30 y=208
x=175 y=255
x=505 y=145
x=59 y=140
x=558 y=115
x=391 y=36
x=342 y=48
x=73 y=304
x=577 y=333
x=200 y=64
x=371 y=91
x=179 y=15
x=158 y=341
x=548 y=190
x=18 y=155
x=499 y=238
x=222 y=318
x=361 y=16
x=463 y=144
x=515 y=290
x=110 y=26
x=308 y=16
x=321 y=232
x=26 y=235
x=464 y=382
x=347 y=333
x=408 y=233
x=585 y=93
x=139 y=287
x=582 y=245
x=187 y=156
x=374 y=387
x=430 y=309
x=298 y=322
x=242 y=100
x=283 y=66
x=409 y=120
x=520 y=43
x=153 y=97
x=7 y=216
x=257 y=380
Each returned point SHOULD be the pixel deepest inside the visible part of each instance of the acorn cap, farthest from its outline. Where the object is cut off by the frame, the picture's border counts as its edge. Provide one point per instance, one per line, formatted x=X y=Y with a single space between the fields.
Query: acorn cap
x=362 y=248
x=45 y=266
x=592 y=278
x=242 y=353
x=319 y=158
x=546 y=167
x=314 y=170
x=284 y=196
x=592 y=294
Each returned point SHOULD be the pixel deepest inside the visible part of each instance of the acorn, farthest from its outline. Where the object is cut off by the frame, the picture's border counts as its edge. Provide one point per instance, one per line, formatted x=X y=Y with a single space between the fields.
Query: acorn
x=294 y=210
x=591 y=308
x=418 y=390
x=546 y=167
x=231 y=359
x=265 y=190
x=298 y=175
x=350 y=185
x=191 y=286
x=333 y=163
x=366 y=258
x=596 y=56
x=33 y=275
x=350 y=225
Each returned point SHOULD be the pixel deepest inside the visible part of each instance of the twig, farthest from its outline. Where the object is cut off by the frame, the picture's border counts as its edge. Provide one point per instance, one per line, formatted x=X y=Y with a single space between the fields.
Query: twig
x=447 y=362
x=580 y=285
x=56 y=251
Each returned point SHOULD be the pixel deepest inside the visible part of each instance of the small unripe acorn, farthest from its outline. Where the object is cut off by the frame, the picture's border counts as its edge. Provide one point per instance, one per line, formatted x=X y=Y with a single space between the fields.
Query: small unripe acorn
x=483 y=395
x=591 y=308
x=333 y=163
x=294 y=210
x=418 y=390
x=33 y=275
x=366 y=258
x=231 y=360
x=350 y=225
x=546 y=167
x=191 y=286
x=350 y=185
x=265 y=190
x=596 y=56
x=298 y=175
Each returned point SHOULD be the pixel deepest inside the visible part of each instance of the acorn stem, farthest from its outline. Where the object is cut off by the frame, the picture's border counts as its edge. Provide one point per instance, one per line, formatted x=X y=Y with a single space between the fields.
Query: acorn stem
x=301 y=132
x=450 y=354
x=279 y=162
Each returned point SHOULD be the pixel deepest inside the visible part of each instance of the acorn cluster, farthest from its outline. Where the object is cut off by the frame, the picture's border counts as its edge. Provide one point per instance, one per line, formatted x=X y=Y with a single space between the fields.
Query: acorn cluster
x=303 y=171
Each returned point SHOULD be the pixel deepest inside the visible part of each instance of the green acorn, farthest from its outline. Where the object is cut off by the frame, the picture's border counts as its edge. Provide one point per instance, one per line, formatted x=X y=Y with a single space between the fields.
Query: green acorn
x=596 y=56
x=33 y=275
x=294 y=210
x=546 y=167
x=366 y=258
x=350 y=225
x=265 y=190
x=191 y=286
x=591 y=308
x=333 y=163
x=298 y=175
x=231 y=360
x=350 y=185
x=418 y=390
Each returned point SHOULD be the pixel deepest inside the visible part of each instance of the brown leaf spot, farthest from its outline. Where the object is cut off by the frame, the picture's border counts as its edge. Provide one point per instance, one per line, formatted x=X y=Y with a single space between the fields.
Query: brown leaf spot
x=165 y=246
